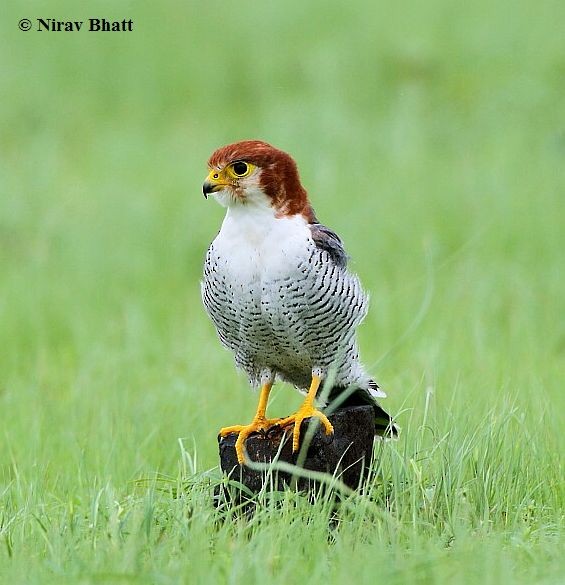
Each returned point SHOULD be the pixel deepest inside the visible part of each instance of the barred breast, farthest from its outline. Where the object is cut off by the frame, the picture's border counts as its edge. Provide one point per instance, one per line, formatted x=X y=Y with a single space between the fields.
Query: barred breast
x=282 y=302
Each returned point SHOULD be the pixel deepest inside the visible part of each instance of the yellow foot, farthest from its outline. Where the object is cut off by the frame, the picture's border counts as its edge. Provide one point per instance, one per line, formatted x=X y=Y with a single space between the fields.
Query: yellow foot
x=259 y=425
x=305 y=411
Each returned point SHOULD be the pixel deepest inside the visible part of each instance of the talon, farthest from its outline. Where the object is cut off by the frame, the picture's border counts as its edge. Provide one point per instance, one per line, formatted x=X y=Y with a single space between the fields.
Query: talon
x=225 y=431
x=305 y=412
x=259 y=425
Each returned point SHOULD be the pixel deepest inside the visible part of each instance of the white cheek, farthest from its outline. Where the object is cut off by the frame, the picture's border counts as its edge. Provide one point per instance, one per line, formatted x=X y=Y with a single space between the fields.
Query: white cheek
x=223 y=197
x=251 y=195
x=255 y=197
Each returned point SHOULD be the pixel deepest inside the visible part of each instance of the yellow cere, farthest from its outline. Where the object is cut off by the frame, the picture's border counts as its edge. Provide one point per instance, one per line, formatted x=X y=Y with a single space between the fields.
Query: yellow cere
x=216 y=176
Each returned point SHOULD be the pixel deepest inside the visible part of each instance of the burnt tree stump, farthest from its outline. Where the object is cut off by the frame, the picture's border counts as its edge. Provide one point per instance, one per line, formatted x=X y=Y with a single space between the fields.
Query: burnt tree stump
x=346 y=454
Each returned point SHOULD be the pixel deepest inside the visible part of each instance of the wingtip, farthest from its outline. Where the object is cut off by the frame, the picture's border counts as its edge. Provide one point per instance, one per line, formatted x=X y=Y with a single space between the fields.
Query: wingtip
x=375 y=390
x=377 y=393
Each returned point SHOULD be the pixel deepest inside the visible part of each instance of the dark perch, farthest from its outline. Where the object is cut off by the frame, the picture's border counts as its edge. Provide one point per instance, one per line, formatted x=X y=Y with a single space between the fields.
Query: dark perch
x=348 y=451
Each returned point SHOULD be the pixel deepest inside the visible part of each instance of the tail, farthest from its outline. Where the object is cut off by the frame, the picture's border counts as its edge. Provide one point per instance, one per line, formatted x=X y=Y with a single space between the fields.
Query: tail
x=384 y=425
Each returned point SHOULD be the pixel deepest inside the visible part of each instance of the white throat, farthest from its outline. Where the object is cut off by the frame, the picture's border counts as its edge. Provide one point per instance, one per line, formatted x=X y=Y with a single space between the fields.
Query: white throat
x=252 y=237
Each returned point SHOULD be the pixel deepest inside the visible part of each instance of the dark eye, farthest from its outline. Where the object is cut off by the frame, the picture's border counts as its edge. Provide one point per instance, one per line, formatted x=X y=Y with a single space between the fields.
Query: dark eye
x=240 y=168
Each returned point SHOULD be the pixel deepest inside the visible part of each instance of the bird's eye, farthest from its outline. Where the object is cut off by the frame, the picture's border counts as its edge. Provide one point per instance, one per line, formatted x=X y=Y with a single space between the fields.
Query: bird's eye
x=240 y=169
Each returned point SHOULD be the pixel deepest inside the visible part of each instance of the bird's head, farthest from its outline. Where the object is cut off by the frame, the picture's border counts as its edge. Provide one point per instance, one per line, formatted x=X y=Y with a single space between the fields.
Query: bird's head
x=254 y=173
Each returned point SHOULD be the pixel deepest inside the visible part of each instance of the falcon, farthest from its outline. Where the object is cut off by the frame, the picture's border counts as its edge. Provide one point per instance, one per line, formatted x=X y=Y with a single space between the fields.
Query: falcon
x=278 y=290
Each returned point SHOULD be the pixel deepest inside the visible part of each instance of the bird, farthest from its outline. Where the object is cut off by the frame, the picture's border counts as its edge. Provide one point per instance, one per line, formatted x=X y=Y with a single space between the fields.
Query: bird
x=277 y=287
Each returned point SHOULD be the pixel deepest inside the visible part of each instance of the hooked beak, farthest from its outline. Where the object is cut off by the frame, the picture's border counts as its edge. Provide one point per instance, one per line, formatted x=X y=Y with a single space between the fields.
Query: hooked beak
x=215 y=181
x=209 y=187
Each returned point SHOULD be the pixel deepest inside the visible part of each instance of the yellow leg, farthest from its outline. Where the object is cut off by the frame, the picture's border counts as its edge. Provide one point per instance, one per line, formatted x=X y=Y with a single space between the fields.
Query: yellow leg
x=259 y=423
x=307 y=410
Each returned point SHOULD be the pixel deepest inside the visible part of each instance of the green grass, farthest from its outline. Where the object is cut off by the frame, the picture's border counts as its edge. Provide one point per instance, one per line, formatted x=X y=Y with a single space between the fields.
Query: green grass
x=431 y=137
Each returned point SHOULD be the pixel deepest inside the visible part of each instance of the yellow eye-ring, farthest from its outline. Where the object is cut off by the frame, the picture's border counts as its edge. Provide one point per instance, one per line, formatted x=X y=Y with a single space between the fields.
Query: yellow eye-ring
x=240 y=169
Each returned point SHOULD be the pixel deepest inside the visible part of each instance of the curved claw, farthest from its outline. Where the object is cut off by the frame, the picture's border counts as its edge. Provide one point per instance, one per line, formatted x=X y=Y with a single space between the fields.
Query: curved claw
x=258 y=425
x=306 y=411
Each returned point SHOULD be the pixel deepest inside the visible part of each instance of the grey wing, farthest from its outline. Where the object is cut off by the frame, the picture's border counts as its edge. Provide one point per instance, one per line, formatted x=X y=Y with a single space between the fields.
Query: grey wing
x=341 y=287
x=326 y=239
x=335 y=305
x=351 y=378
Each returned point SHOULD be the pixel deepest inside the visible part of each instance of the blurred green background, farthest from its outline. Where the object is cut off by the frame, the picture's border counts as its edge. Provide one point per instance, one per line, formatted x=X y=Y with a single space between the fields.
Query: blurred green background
x=431 y=136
